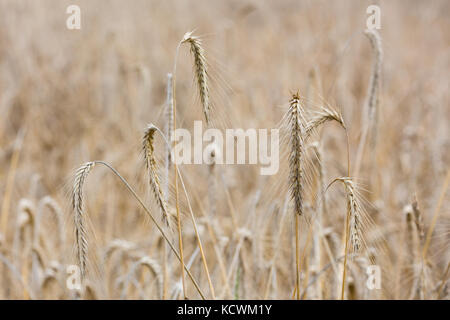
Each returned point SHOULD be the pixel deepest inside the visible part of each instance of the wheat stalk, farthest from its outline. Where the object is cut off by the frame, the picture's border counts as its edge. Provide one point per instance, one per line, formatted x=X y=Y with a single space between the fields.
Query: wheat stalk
x=77 y=201
x=374 y=86
x=321 y=211
x=296 y=134
x=369 y=119
x=212 y=192
x=197 y=235
x=169 y=133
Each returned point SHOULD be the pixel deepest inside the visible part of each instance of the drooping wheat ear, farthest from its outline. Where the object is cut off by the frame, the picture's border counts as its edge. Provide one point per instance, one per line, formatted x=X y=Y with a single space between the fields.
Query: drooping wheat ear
x=150 y=160
x=374 y=85
x=296 y=134
x=50 y=203
x=154 y=267
x=326 y=114
x=77 y=204
x=200 y=71
x=354 y=214
x=352 y=225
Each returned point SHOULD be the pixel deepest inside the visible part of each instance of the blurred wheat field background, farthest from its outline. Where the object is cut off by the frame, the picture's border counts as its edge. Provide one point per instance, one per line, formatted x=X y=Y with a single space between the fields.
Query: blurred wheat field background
x=72 y=96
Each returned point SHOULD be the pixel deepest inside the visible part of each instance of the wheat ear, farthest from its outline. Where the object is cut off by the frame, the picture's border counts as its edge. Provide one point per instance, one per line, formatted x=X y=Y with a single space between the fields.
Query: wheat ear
x=352 y=224
x=296 y=152
x=296 y=127
x=200 y=71
x=155 y=185
x=77 y=204
x=321 y=117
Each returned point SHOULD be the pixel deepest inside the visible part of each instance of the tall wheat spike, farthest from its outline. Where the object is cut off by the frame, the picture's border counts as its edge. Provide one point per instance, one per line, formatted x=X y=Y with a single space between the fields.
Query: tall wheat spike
x=296 y=134
x=200 y=71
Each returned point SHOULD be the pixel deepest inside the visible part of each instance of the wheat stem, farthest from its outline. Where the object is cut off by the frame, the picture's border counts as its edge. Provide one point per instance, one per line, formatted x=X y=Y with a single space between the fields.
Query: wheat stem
x=79 y=195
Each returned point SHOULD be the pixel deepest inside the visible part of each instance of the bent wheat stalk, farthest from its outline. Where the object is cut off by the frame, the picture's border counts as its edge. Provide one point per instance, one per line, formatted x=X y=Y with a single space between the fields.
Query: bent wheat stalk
x=352 y=224
x=169 y=132
x=325 y=115
x=82 y=245
x=197 y=235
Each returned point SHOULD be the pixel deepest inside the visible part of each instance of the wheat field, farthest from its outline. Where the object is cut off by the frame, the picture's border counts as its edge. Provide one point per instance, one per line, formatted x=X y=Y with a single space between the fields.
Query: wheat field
x=93 y=206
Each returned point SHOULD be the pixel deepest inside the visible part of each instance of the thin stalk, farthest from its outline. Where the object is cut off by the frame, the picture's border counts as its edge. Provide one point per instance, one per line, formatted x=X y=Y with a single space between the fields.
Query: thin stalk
x=160 y=229
x=344 y=272
x=199 y=242
x=297 y=257
x=177 y=204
